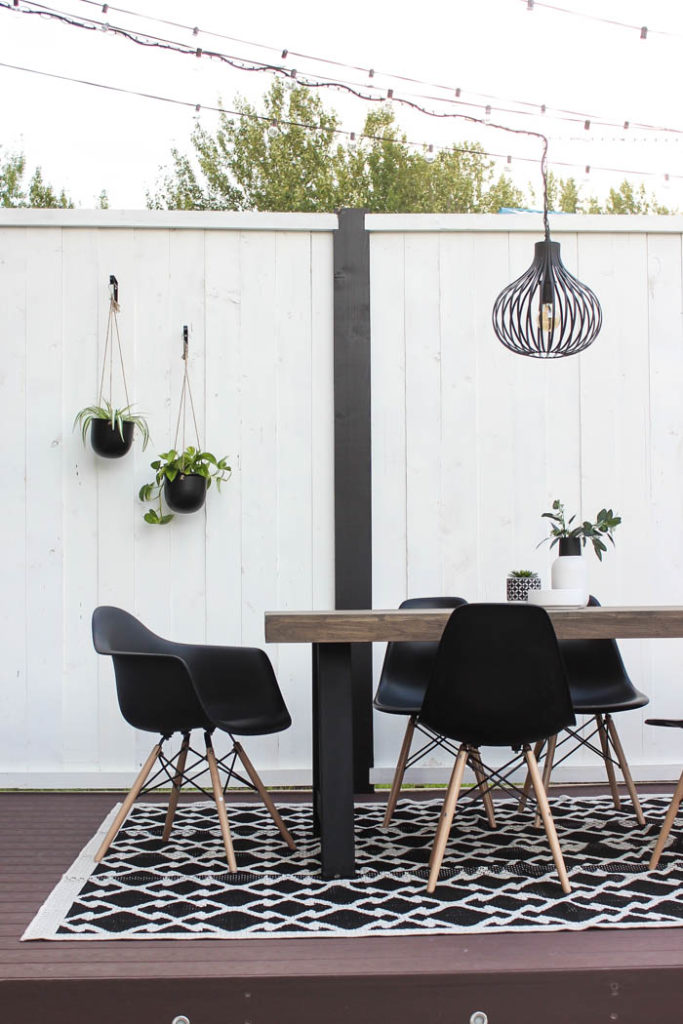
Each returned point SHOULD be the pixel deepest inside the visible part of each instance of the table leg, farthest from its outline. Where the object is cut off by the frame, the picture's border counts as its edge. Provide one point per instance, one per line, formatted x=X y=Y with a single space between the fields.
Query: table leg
x=333 y=758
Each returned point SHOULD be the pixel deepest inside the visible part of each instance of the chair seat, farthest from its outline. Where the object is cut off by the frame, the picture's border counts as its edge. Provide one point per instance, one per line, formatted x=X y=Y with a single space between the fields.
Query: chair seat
x=607 y=700
x=253 y=725
x=401 y=703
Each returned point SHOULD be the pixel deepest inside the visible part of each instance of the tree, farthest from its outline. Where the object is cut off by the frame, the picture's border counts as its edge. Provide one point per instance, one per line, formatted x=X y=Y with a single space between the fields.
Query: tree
x=627 y=199
x=290 y=158
x=39 y=193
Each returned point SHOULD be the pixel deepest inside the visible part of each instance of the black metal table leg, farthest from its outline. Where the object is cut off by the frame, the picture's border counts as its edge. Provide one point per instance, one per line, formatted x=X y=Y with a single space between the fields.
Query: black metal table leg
x=333 y=758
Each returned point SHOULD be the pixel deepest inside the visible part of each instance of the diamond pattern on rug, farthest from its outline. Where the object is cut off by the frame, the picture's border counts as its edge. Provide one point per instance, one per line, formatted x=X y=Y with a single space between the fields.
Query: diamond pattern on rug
x=492 y=880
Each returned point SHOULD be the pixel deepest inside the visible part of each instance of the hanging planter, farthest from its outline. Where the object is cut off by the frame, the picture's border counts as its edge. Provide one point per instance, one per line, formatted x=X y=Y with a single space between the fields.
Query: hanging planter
x=182 y=477
x=111 y=429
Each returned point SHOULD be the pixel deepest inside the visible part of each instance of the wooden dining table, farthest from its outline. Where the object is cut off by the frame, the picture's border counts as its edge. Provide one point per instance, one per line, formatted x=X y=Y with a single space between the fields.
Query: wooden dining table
x=337 y=716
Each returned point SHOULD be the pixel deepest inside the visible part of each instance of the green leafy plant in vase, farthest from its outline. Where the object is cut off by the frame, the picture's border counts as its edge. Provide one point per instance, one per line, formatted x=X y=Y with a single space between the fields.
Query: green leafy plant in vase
x=596 y=532
x=569 y=571
x=182 y=478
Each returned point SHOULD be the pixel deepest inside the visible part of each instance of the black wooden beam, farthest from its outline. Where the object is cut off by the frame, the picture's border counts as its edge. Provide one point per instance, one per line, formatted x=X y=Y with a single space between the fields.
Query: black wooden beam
x=352 y=462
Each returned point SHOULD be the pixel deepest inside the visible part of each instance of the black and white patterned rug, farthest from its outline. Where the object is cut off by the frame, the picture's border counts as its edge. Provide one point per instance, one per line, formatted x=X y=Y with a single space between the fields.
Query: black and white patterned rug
x=502 y=880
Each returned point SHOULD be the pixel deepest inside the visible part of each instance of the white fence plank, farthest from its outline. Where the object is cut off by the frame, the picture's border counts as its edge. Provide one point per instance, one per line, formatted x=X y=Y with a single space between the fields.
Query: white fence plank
x=470 y=444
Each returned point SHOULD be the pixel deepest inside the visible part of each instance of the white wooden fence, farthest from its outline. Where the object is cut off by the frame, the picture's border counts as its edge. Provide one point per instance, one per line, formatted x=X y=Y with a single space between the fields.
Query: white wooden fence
x=470 y=445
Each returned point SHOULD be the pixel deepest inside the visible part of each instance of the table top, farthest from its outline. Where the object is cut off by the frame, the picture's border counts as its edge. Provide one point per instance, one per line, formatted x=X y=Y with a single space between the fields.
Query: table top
x=368 y=625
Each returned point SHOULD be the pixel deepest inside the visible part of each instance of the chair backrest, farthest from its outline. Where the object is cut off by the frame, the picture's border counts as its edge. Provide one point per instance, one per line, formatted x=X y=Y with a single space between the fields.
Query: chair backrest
x=498 y=679
x=153 y=687
x=595 y=668
x=408 y=664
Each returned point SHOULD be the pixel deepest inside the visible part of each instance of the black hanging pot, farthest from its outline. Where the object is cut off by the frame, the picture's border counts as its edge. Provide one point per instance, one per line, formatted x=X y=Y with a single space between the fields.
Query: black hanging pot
x=186 y=493
x=107 y=441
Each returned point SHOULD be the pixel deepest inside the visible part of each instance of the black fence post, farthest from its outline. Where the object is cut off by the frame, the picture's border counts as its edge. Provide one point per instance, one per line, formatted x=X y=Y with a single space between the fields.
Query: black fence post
x=352 y=463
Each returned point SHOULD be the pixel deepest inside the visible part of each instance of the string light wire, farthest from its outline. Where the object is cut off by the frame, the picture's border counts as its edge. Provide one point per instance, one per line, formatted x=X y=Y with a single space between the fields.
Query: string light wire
x=354 y=88
x=352 y=136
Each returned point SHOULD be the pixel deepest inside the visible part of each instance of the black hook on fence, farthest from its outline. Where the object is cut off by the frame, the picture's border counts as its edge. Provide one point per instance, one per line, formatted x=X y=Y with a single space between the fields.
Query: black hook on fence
x=186 y=341
x=115 y=285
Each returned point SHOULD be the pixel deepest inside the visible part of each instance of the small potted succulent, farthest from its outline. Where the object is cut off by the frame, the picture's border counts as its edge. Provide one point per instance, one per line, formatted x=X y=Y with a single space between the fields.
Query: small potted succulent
x=519 y=582
x=183 y=479
x=111 y=430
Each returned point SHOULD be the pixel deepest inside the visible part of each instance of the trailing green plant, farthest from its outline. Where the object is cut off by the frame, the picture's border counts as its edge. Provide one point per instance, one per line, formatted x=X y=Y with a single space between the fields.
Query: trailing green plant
x=117 y=417
x=172 y=464
x=523 y=574
x=597 y=532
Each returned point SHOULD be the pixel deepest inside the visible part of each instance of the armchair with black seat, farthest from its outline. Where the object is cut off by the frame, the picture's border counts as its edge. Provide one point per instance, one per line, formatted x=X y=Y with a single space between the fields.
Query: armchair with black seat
x=498 y=680
x=402 y=684
x=166 y=688
x=600 y=687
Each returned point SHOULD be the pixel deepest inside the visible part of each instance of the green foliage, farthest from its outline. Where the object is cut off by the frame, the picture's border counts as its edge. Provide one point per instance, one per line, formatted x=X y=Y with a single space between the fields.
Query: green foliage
x=262 y=162
x=171 y=464
x=38 y=194
x=117 y=417
x=605 y=523
x=523 y=574
x=627 y=199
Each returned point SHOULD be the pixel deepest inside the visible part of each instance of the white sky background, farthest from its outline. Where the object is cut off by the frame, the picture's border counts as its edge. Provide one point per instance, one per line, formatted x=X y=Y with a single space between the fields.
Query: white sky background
x=87 y=139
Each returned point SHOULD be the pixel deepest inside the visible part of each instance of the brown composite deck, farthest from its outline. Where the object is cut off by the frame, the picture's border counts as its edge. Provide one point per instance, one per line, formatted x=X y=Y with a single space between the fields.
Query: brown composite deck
x=628 y=977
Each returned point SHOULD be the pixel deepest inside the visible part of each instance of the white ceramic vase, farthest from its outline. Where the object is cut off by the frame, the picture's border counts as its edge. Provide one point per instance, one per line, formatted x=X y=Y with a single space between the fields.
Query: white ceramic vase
x=569 y=570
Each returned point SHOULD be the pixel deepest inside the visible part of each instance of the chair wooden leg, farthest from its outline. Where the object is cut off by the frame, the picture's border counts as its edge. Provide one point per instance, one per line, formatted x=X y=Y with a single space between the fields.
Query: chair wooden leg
x=480 y=776
x=177 y=784
x=548 y=822
x=129 y=801
x=446 y=819
x=625 y=770
x=220 y=805
x=265 y=795
x=668 y=822
x=547 y=772
x=400 y=772
x=609 y=767
x=527 y=782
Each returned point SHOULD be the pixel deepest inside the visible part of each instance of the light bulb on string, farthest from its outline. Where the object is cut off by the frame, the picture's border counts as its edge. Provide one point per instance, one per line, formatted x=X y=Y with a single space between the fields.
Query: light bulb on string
x=352 y=143
x=507 y=170
x=546 y=313
x=430 y=155
x=273 y=129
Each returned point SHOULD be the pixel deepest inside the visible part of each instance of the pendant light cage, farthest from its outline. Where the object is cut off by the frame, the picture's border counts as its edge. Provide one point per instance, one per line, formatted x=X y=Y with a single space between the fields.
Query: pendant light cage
x=547 y=312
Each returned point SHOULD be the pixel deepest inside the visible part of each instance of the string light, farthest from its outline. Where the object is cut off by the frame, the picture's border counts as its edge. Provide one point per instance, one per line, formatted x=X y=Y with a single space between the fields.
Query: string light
x=558 y=113
x=605 y=21
x=338 y=131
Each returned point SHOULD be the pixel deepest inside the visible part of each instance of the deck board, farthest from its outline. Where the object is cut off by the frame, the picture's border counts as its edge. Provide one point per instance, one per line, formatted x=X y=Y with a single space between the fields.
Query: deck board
x=299 y=980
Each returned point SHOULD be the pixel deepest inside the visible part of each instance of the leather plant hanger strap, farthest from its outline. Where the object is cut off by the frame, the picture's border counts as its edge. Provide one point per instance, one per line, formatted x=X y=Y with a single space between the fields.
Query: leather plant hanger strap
x=186 y=393
x=108 y=357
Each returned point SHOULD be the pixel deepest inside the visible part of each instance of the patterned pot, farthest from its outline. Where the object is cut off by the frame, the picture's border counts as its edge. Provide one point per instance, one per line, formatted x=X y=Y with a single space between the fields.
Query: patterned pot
x=518 y=587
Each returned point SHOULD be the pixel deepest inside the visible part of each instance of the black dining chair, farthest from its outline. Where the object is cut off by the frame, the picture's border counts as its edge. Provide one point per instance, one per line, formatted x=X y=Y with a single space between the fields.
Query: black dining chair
x=669 y=723
x=166 y=688
x=600 y=687
x=401 y=688
x=498 y=680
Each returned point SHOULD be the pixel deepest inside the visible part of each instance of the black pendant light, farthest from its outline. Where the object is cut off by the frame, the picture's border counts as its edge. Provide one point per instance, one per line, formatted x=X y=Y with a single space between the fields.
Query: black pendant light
x=547 y=312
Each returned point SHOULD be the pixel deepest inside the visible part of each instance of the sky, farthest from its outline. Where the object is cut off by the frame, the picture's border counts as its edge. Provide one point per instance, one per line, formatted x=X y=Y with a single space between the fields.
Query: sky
x=495 y=52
